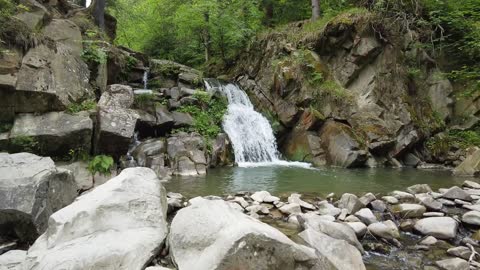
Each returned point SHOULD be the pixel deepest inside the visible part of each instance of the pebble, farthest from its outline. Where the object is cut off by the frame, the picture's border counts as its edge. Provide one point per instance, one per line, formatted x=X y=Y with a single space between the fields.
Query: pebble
x=379 y=206
x=291 y=208
x=471 y=184
x=390 y=199
x=366 y=216
x=472 y=218
x=429 y=241
x=295 y=198
x=433 y=214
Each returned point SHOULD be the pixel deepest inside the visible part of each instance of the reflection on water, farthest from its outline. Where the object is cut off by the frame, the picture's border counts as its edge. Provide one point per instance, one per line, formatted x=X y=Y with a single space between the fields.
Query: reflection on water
x=283 y=180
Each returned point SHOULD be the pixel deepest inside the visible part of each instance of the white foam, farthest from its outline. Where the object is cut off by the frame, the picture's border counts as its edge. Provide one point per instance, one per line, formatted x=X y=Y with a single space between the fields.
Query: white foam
x=278 y=163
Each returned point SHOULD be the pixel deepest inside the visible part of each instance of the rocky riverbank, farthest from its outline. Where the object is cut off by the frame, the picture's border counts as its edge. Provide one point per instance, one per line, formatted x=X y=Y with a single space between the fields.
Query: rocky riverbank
x=132 y=222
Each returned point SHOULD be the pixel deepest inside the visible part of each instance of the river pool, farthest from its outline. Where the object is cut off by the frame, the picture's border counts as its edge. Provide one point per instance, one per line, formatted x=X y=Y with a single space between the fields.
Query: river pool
x=283 y=180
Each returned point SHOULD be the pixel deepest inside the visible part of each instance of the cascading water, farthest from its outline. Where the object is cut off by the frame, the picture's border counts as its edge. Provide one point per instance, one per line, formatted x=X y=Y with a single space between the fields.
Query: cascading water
x=145 y=79
x=250 y=132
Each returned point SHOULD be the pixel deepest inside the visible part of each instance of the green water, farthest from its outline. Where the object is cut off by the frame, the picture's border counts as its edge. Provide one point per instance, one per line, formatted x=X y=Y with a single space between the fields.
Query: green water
x=281 y=180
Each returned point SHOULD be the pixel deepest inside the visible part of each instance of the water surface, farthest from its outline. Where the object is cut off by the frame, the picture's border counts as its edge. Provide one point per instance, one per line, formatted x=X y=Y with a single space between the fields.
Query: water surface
x=282 y=180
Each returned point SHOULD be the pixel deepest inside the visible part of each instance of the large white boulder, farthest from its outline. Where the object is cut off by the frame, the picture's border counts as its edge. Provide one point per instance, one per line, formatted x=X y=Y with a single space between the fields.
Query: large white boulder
x=212 y=235
x=31 y=189
x=334 y=254
x=119 y=225
x=438 y=227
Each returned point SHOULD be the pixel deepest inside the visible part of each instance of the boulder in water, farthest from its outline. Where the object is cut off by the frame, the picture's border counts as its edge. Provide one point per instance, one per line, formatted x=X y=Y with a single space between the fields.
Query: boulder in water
x=119 y=225
x=438 y=227
x=229 y=239
x=31 y=189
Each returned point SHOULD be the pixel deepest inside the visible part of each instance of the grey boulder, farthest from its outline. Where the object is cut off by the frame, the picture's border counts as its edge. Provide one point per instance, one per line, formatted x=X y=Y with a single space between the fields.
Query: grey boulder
x=438 y=227
x=228 y=238
x=54 y=133
x=119 y=225
x=31 y=189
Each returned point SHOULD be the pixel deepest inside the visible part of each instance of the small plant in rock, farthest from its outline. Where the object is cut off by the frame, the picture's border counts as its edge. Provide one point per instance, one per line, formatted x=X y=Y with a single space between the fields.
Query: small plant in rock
x=101 y=164
x=83 y=106
x=78 y=154
x=25 y=144
x=143 y=100
x=5 y=127
x=93 y=53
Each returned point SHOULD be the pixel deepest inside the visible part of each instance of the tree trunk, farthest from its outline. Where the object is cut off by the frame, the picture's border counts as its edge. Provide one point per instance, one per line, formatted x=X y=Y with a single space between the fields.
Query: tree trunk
x=268 y=9
x=315 y=9
x=99 y=13
x=206 y=37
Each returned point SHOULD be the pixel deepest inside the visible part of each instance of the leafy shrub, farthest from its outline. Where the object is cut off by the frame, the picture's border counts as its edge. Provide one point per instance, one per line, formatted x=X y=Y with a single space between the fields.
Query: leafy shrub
x=79 y=107
x=442 y=143
x=25 y=143
x=101 y=164
x=93 y=54
x=143 y=99
x=5 y=127
x=207 y=117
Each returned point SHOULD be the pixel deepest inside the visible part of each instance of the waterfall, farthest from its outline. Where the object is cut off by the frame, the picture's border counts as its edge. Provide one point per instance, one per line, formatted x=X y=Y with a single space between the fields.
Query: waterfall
x=250 y=132
x=145 y=79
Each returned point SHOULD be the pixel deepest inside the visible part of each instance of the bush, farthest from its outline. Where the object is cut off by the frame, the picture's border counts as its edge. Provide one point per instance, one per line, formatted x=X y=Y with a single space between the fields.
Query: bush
x=101 y=164
x=464 y=139
x=25 y=144
x=79 y=107
x=208 y=116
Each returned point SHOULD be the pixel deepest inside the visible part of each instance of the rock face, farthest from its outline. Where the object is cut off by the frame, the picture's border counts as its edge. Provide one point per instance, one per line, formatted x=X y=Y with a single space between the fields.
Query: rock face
x=53 y=134
x=152 y=153
x=471 y=165
x=375 y=107
x=341 y=146
x=333 y=253
x=31 y=189
x=119 y=225
x=12 y=260
x=438 y=227
x=115 y=120
x=228 y=239
x=44 y=80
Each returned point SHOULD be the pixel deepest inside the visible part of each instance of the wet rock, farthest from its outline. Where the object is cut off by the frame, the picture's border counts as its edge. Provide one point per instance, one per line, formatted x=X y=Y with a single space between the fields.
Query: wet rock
x=359 y=228
x=472 y=218
x=128 y=213
x=241 y=201
x=54 y=133
x=429 y=202
x=152 y=154
x=291 y=208
x=27 y=182
x=295 y=198
x=386 y=229
x=457 y=193
x=471 y=165
x=429 y=241
x=471 y=184
x=325 y=208
x=407 y=225
x=367 y=198
x=350 y=202
x=352 y=218
x=333 y=229
x=222 y=152
x=402 y=196
x=264 y=196
x=341 y=146
x=258 y=209
x=461 y=252
x=419 y=188
x=186 y=153
x=337 y=254
x=433 y=214
x=230 y=237
x=408 y=210
x=453 y=264
x=390 y=199
x=446 y=202
x=366 y=216
x=379 y=206
x=12 y=260
x=438 y=227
